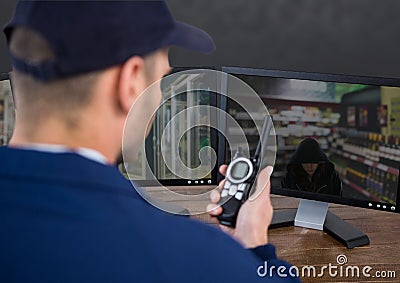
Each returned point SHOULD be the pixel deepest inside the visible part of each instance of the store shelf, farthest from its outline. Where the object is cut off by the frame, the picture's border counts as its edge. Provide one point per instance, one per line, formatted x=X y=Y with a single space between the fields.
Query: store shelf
x=246 y=116
x=304 y=119
x=294 y=147
x=294 y=119
x=302 y=131
x=361 y=190
x=287 y=147
x=366 y=161
x=386 y=199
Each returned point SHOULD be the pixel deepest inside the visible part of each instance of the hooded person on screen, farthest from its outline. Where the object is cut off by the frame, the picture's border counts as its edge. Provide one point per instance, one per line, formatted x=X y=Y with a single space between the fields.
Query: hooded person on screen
x=310 y=170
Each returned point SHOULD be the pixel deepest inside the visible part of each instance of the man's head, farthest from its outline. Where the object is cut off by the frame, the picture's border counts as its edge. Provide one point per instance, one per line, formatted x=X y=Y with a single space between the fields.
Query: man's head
x=40 y=99
x=80 y=66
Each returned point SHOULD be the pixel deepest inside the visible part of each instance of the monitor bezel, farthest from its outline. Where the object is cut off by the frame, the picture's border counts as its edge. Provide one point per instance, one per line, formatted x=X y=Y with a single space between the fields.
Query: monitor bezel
x=5 y=76
x=284 y=74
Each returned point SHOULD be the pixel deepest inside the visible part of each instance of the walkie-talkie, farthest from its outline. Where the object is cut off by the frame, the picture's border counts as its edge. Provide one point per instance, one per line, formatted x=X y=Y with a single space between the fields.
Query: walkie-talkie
x=240 y=177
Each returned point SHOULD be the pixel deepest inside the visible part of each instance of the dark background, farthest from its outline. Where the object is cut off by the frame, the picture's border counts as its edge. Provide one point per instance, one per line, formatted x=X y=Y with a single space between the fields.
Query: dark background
x=6 y=11
x=359 y=37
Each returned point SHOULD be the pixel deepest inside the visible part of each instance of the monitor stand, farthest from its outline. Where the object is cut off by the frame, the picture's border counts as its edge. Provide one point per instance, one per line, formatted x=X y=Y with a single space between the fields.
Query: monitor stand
x=315 y=215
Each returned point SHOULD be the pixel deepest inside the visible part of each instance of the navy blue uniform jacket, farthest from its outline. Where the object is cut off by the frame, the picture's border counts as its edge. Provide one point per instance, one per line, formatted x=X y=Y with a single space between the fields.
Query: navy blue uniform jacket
x=65 y=218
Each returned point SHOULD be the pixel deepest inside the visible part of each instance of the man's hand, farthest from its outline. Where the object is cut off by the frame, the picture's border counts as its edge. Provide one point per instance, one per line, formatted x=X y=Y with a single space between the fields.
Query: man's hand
x=254 y=216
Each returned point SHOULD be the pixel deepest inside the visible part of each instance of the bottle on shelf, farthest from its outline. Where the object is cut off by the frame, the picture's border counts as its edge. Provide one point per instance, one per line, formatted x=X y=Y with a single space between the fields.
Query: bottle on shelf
x=390 y=153
x=380 y=143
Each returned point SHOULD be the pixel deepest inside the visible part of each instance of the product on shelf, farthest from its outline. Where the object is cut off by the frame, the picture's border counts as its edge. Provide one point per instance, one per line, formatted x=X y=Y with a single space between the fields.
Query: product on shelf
x=367 y=164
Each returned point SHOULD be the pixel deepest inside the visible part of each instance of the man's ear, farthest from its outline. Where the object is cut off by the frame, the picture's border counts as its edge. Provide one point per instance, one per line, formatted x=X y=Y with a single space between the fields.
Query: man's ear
x=131 y=83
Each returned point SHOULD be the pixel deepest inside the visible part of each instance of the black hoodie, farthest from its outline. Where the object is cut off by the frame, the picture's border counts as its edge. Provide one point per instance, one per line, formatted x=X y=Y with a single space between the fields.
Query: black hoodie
x=325 y=179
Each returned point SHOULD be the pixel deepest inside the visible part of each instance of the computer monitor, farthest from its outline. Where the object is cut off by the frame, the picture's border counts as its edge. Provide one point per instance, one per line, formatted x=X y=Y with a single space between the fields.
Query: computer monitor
x=338 y=141
x=7 y=113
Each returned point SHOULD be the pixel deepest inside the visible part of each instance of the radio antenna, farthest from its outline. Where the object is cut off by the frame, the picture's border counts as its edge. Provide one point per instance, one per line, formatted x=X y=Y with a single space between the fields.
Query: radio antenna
x=262 y=143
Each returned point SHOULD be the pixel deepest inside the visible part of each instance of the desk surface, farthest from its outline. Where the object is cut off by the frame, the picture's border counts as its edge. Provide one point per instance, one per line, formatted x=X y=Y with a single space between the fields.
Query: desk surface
x=301 y=246
x=305 y=247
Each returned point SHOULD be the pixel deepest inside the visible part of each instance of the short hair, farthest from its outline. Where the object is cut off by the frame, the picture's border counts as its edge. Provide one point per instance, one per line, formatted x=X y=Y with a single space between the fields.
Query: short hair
x=64 y=97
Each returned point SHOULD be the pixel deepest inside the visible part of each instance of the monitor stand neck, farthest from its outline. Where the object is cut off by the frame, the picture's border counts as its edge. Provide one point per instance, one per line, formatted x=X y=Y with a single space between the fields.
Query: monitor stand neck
x=315 y=215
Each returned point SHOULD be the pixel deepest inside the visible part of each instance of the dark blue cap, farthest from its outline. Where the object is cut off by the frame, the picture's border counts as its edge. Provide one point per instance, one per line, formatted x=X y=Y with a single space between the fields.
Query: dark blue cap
x=93 y=35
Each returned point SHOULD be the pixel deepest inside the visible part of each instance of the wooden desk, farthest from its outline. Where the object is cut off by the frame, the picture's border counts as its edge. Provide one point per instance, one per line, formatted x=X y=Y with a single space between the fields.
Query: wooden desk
x=306 y=247
x=301 y=246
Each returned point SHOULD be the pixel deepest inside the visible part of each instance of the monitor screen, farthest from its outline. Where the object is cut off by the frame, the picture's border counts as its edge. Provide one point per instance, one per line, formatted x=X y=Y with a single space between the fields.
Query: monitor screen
x=7 y=114
x=181 y=138
x=338 y=137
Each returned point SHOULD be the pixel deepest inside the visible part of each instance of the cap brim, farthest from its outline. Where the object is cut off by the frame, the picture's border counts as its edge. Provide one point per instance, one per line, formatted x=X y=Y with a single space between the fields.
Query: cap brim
x=190 y=37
